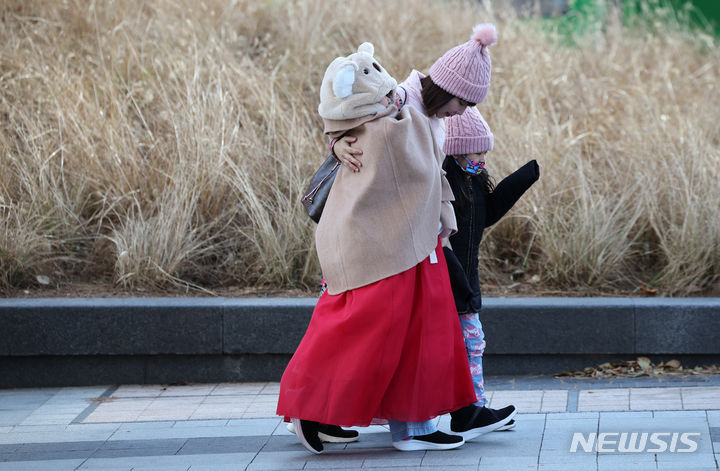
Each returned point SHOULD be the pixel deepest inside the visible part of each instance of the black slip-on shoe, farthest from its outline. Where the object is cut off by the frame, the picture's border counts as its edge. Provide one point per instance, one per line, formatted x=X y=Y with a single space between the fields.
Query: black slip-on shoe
x=482 y=420
x=500 y=413
x=336 y=434
x=332 y=433
x=432 y=441
x=307 y=432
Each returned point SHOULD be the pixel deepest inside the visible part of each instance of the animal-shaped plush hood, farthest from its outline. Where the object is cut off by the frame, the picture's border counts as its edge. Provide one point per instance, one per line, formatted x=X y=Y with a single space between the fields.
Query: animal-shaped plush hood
x=354 y=86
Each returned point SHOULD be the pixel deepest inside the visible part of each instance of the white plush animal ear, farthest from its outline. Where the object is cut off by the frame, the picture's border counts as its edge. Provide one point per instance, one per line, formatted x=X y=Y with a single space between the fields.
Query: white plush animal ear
x=343 y=82
x=367 y=48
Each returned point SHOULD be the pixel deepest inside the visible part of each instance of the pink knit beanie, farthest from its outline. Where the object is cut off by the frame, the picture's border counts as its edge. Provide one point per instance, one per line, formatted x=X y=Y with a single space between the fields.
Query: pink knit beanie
x=464 y=71
x=467 y=133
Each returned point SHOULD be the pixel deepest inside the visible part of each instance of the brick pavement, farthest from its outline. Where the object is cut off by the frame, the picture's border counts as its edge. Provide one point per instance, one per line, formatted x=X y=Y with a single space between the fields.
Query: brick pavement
x=222 y=427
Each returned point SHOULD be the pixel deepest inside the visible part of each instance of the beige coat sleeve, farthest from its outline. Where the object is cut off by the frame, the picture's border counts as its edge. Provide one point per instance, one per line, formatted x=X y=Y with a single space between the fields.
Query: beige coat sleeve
x=447 y=212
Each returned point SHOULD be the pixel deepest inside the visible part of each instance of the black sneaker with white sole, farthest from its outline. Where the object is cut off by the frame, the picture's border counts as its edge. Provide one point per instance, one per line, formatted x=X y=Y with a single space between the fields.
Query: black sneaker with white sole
x=508 y=426
x=473 y=421
x=307 y=432
x=432 y=441
x=335 y=434
x=332 y=433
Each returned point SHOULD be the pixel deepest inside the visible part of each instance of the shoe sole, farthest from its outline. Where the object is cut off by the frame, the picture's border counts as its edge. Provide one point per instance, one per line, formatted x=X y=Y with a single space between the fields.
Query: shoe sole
x=327 y=438
x=301 y=437
x=418 y=445
x=506 y=427
x=476 y=432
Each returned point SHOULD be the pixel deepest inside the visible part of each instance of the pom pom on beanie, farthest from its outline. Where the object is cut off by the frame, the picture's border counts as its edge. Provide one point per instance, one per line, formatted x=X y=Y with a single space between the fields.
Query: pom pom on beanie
x=464 y=71
x=485 y=34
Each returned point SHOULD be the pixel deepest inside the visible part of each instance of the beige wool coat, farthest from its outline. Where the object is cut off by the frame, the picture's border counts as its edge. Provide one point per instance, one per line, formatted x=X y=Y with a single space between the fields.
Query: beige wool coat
x=383 y=220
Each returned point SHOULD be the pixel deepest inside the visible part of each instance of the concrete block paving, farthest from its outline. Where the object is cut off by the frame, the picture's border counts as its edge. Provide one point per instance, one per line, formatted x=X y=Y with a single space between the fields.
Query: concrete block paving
x=562 y=425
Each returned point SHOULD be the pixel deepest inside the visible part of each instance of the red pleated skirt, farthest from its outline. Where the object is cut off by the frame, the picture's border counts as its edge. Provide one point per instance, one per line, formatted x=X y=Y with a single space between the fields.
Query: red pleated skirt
x=390 y=350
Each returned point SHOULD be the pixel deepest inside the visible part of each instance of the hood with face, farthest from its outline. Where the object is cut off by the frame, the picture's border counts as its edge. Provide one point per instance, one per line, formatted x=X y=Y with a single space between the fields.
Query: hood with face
x=355 y=86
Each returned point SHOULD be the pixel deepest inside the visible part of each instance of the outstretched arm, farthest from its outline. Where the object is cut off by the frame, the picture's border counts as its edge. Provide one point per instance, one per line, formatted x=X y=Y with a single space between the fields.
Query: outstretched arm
x=347 y=154
x=509 y=190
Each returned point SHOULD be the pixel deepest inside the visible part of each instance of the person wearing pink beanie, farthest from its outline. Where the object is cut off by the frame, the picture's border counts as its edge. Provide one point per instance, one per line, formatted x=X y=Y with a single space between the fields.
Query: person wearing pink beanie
x=457 y=81
x=478 y=204
x=385 y=333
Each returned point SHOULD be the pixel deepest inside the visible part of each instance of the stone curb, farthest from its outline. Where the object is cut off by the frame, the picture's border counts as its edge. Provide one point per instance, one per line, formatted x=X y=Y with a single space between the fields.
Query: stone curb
x=60 y=341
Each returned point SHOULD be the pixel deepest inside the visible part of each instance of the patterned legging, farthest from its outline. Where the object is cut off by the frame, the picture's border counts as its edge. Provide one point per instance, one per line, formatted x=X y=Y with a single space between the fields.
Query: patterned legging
x=475 y=345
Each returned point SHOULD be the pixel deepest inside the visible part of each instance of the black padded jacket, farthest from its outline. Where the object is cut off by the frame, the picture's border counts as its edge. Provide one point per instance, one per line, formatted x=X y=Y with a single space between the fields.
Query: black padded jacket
x=483 y=210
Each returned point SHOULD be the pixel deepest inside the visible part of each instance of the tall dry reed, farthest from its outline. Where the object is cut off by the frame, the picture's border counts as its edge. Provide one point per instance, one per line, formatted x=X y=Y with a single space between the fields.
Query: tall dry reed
x=156 y=143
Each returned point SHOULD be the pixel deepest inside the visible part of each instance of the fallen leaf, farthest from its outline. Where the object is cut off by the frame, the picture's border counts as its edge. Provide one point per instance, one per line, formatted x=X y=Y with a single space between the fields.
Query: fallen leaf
x=644 y=362
x=102 y=399
x=646 y=290
x=43 y=280
x=639 y=368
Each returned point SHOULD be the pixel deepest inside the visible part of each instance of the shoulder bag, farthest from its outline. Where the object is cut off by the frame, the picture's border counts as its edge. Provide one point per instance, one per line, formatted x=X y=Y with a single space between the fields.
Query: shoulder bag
x=317 y=191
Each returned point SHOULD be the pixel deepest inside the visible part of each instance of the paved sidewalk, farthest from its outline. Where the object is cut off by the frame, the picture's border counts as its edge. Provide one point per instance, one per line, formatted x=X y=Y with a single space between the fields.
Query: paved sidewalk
x=219 y=427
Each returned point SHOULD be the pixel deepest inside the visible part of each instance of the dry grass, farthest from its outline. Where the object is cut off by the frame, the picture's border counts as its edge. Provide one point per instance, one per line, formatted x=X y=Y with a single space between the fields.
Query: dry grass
x=157 y=143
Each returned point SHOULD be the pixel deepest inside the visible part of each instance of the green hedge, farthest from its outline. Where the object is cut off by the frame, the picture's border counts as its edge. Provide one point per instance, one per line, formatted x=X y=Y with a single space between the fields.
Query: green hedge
x=587 y=16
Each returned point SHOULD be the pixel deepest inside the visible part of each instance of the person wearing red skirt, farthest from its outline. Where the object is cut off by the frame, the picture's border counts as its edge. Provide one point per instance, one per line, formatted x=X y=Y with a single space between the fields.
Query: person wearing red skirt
x=384 y=343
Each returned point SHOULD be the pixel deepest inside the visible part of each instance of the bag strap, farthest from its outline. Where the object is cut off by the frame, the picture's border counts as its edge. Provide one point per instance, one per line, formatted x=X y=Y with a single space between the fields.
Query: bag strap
x=310 y=196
